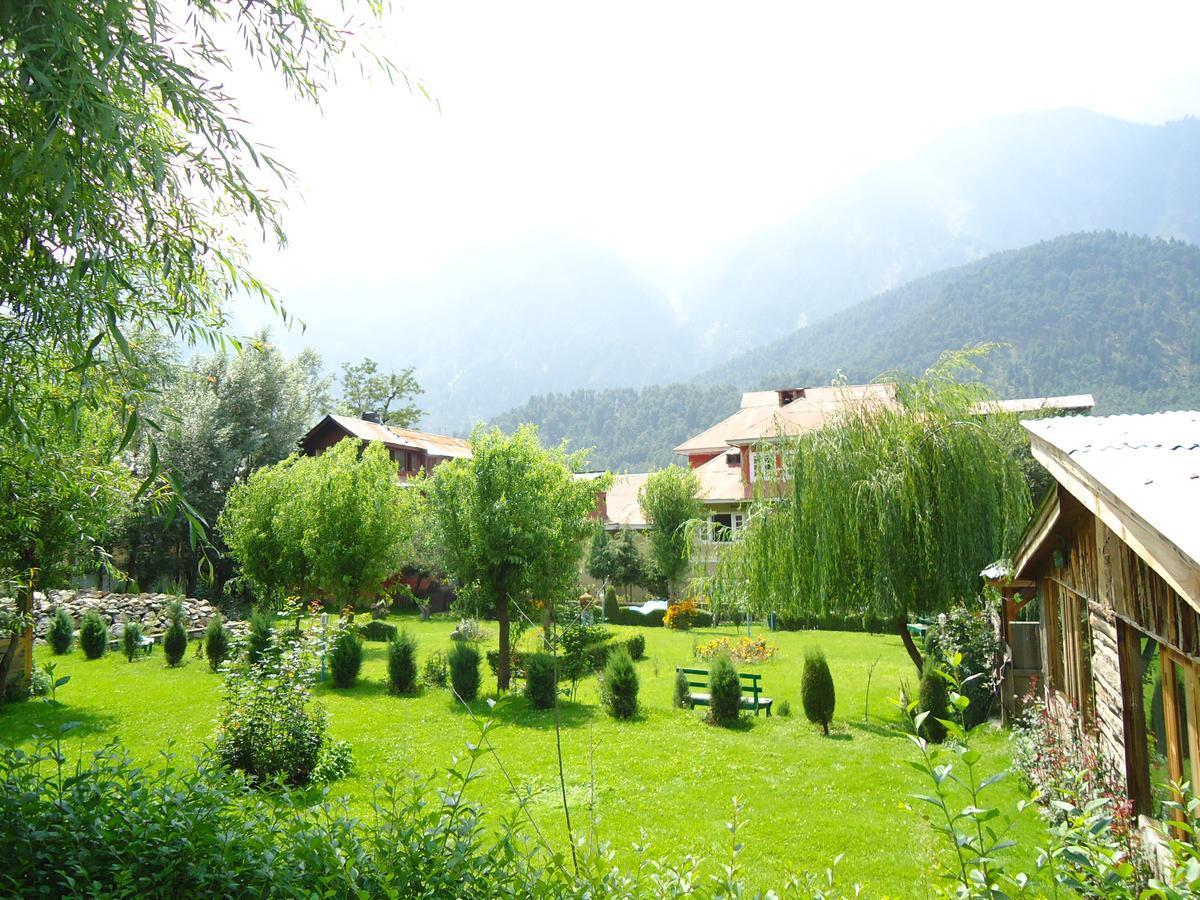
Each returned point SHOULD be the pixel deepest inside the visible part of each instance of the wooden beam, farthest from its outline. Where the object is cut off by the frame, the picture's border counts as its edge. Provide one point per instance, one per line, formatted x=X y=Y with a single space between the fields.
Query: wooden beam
x=1133 y=716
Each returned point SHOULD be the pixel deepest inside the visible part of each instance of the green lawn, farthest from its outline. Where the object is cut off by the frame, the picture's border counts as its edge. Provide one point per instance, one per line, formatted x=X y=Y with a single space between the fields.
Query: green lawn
x=808 y=797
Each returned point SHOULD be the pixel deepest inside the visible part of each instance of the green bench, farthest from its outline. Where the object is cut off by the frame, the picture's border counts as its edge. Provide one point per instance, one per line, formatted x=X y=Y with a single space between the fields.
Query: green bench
x=750 y=685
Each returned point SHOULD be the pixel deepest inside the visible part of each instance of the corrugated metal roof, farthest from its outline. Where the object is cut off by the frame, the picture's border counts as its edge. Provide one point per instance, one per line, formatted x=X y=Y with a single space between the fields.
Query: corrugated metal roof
x=433 y=444
x=621 y=501
x=1151 y=463
x=1069 y=403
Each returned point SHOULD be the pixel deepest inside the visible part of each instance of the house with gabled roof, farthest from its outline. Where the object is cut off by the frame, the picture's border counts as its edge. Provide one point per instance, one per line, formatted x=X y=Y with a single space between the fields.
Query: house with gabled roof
x=413 y=451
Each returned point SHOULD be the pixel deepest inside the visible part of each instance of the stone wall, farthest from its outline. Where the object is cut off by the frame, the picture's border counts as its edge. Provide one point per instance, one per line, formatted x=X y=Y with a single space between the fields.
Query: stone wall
x=150 y=610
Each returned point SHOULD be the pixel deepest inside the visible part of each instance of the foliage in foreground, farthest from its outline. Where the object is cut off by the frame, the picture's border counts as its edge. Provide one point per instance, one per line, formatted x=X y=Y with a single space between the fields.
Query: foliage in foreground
x=269 y=728
x=202 y=831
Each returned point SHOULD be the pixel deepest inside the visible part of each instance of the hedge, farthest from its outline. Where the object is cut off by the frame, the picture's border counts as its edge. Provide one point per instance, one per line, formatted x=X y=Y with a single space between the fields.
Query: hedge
x=377 y=630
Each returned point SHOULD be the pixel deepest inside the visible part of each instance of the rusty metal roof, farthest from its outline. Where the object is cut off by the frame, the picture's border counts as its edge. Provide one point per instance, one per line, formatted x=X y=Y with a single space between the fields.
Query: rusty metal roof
x=391 y=436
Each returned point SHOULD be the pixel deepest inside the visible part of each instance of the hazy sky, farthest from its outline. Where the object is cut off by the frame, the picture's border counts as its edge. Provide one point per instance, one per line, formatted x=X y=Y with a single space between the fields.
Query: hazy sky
x=666 y=130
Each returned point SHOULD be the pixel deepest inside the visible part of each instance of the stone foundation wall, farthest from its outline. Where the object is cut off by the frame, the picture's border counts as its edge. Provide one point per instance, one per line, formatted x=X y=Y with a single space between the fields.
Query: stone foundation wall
x=150 y=610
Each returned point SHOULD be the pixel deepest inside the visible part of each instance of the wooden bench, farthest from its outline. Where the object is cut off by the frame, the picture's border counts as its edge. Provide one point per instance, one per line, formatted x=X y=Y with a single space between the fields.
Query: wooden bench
x=750 y=685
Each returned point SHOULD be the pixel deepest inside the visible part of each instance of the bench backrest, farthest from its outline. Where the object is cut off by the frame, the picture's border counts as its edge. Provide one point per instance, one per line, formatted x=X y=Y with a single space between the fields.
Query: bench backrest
x=750 y=680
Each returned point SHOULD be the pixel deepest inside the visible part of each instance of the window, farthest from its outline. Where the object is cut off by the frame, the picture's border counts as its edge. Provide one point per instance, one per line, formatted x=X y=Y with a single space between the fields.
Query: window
x=764 y=465
x=720 y=527
x=1069 y=645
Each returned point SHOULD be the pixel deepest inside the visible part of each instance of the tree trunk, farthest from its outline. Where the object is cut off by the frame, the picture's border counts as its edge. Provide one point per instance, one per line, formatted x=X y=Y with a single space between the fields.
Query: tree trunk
x=502 y=668
x=913 y=653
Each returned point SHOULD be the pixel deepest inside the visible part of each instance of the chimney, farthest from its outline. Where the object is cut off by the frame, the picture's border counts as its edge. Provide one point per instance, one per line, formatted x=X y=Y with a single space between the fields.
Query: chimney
x=371 y=417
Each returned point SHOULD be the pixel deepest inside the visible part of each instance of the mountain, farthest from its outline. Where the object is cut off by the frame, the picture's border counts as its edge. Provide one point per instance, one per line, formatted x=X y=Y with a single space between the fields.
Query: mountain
x=1003 y=184
x=1101 y=312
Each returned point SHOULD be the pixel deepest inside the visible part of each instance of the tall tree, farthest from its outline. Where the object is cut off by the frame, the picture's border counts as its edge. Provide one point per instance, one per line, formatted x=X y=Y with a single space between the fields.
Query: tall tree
x=511 y=522
x=221 y=417
x=61 y=503
x=890 y=511
x=628 y=567
x=336 y=524
x=365 y=389
x=600 y=556
x=670 y=499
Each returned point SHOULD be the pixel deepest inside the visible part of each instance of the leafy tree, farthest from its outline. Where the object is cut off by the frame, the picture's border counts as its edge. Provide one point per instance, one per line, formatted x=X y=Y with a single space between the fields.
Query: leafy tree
x=334 y=523
x=511 y=522
x=890 y=511
x=367 y=390
x=59 y=497
x=126 y=180
x=222 y=417
x=670 y=499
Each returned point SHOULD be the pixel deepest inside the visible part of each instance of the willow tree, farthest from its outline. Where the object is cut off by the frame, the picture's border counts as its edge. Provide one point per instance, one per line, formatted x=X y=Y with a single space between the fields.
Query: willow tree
x=890 y=511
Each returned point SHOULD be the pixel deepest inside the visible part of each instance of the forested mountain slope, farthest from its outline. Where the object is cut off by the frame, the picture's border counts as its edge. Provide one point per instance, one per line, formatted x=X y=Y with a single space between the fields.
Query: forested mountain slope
x=629 y=429
x=1112 y=314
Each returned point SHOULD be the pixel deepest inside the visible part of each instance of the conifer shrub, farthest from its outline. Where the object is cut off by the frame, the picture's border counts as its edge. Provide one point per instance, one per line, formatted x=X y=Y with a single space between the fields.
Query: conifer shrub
x=637 y=647
x=816 y=689
x=463 y=661
x=175 y=639
x=216 y=642
x=402 y=663
x=783 y=709
x=93 y=635
x=934 y=699
x=725 y=692
x=258 y=641
x=345 y=658
x=61 y=633
x=683 y=691
x=131 y=640
x=612 y=609
x=541 y=687
x=619 y=685
x=378 y=630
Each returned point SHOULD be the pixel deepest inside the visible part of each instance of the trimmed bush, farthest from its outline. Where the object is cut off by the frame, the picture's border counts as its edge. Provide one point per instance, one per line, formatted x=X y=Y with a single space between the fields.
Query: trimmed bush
x=619 y=688
x=541 y=688
x=61 y=633
x=216 y=642
x=346 y=657
x=816 y=689
x=637 y=646
x=463 y=660
x=725 y=692
x=175 y=639
x=377 y=630
x=93 y=635
x=612 y=609
x=436 y=670
x=934 y=699
x=131 y=640
x=258 y=641
x=683 y=691
x=402 y=663
x=628 y=616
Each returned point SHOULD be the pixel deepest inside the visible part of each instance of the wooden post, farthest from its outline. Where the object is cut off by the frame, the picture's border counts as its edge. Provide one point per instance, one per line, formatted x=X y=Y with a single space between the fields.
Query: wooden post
x=1193 y=723
x=1170 y=696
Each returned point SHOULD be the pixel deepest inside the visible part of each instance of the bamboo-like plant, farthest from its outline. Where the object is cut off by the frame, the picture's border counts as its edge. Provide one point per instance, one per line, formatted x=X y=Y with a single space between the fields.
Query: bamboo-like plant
x=889 y=511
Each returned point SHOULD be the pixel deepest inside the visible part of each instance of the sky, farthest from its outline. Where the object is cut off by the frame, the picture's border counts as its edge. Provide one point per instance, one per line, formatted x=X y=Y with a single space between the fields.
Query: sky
x=667 y=131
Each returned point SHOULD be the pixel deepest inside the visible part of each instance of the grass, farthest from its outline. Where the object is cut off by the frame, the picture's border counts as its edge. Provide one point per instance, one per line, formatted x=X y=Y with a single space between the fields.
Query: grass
x=808 y=797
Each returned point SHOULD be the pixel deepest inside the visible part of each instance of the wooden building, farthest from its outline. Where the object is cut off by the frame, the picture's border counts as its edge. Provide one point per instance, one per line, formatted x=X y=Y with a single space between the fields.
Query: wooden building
x=413 y=451
x=1113 y=558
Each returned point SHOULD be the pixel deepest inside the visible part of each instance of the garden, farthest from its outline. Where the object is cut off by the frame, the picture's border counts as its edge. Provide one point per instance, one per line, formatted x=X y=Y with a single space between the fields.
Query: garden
x=663 y=777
